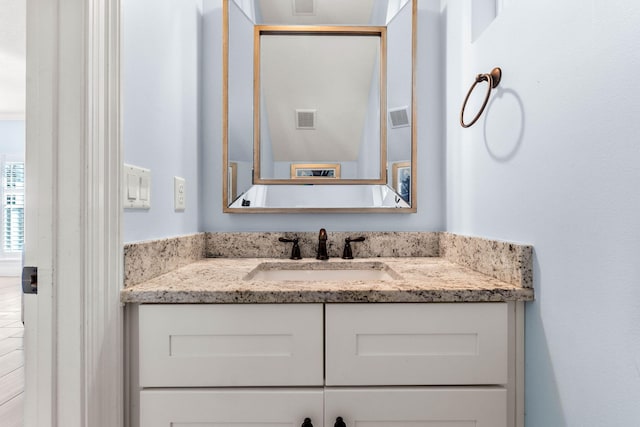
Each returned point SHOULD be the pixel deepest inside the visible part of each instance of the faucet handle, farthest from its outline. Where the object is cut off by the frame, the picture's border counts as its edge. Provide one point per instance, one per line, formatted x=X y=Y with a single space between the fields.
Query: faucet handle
x=347 y=253
x=295 y=250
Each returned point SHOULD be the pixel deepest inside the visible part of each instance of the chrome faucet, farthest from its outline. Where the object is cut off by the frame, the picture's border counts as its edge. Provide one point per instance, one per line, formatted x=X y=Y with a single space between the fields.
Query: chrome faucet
x=322 y=245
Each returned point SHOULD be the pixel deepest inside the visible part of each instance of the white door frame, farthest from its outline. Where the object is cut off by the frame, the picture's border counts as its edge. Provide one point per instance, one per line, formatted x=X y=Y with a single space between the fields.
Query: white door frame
x=74 y=326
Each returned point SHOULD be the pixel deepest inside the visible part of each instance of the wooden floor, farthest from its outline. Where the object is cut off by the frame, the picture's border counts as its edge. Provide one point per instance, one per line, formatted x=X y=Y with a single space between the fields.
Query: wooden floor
x=11 y=353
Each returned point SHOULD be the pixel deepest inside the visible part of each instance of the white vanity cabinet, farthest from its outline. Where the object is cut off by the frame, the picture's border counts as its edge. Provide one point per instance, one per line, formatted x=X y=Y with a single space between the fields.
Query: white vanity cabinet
x=206 y=345
x=373 y=365
x=256 y=407
x=416 y=344
x=416 y=406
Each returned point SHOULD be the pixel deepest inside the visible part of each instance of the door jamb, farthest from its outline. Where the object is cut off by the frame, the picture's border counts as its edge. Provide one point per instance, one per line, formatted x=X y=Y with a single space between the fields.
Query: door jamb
x=74 y=363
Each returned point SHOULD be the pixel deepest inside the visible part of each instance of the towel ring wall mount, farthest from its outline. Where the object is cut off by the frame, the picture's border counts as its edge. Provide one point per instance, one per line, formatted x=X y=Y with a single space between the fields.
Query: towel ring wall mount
x=493 y=78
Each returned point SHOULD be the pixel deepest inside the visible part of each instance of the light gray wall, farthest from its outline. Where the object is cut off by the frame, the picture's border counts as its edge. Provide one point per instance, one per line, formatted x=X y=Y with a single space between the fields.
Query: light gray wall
x=12 y=138
x=161 y=110
x=368 y=163
x=555 y=162
x=430 y=214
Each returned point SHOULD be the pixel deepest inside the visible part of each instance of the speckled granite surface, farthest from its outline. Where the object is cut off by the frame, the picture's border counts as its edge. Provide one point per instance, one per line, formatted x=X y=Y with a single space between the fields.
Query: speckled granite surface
x=433 y=267
x=505 y=261
x=146 y=260
x=422 y=279
x=376 y=244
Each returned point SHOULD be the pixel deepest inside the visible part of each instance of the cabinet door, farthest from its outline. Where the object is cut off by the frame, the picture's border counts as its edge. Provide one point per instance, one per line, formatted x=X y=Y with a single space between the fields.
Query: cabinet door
x=416 y=344
x=411 y=407
x=230 y=408
x=215 y=345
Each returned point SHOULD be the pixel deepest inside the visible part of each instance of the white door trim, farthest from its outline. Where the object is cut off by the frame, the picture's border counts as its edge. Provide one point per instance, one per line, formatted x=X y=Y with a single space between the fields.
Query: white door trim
x=74 y=344
x=103 y=278
x=41 y=140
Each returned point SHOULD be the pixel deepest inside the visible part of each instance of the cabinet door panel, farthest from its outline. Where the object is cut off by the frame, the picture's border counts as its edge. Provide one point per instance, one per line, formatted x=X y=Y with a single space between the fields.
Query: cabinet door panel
x=231 y=345
x=230 y=408
x=416 y=344
x=417 y=407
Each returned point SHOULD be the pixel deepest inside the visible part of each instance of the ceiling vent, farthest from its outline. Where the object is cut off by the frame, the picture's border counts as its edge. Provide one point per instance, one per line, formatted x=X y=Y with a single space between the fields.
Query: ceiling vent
x=305 y=119
x=304 y=7
x=399 y=117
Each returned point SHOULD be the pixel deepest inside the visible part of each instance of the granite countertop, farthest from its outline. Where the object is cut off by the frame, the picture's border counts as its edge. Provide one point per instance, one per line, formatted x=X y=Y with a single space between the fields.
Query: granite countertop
x=419 y=279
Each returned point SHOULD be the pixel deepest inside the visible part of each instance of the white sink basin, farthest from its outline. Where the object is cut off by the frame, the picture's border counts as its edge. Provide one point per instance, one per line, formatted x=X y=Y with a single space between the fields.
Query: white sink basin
x=321 y=272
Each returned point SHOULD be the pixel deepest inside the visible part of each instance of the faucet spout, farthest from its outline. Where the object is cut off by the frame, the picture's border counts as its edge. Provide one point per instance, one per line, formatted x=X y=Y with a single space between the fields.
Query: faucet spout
x=322 y=245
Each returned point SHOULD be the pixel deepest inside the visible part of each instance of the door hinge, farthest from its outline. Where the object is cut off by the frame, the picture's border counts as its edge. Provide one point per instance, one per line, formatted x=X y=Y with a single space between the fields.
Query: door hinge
x=30 y=280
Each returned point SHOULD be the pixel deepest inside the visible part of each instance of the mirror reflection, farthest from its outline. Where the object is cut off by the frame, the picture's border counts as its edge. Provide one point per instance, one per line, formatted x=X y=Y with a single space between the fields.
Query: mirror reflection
x=319 y=104
x=331 y=111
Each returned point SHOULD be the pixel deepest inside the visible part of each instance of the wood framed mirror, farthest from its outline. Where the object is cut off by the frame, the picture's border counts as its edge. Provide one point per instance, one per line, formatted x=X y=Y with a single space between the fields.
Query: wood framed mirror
x=330 y=86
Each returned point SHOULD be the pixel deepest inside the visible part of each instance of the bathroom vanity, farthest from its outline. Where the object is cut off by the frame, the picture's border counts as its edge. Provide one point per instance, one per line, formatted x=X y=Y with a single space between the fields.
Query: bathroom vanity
x=270 y=364
x=319 y=116
x=437 y=343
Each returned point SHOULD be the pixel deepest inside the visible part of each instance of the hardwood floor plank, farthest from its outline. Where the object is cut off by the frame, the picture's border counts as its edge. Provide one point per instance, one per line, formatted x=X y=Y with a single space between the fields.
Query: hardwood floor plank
x=15 y=324
x=11 y=315
x=10 y=332
x=8 y=345
x=11 y=301
x=8 y=280
x=11 y=353
x=11 y=412
x=11 y=361
x=8 y=322
x=11 y=385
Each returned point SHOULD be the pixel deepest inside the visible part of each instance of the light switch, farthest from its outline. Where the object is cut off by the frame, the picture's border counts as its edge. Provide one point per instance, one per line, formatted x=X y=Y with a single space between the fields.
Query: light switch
x=132 y=187
x=144 y=188
x=137 y=191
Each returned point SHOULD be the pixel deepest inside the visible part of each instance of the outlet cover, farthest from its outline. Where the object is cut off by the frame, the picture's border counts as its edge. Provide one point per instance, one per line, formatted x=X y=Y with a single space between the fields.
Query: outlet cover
x=179 y=193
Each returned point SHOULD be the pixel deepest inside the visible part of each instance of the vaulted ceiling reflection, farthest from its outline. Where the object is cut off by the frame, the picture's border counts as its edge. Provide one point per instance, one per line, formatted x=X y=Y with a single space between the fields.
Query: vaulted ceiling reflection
x=332 y=77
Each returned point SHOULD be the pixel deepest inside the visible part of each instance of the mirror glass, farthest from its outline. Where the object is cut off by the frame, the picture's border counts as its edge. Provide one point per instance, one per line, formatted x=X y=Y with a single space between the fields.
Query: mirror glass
x=330 y=117
x=319 y=104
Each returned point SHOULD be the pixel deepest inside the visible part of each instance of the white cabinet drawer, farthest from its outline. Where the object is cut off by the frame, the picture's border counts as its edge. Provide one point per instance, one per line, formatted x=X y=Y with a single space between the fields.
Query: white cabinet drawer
x=231 y=345
x=410 y=407
x=416 y=344
x=231 y=407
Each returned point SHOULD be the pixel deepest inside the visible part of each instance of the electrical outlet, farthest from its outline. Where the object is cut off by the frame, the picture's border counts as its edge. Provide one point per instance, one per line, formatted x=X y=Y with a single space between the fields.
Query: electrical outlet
x=179 y=193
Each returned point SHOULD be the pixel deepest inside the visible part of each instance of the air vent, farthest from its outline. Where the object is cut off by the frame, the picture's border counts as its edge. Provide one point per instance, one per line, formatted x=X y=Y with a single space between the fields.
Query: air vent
x=305 y=119
x=304 y=7
x=399 y=117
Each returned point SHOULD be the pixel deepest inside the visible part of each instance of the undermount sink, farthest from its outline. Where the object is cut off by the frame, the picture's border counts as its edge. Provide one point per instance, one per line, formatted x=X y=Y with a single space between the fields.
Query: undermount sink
x=321 y=271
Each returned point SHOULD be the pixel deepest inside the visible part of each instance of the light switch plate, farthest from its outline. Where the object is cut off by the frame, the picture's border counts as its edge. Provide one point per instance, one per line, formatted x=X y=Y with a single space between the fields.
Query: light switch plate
x=179 y=193
x=137 y=187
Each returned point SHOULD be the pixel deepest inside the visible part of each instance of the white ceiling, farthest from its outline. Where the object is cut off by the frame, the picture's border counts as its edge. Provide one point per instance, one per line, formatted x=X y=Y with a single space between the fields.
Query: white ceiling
x=334 y=12
x=332 y=75
x=13 y=31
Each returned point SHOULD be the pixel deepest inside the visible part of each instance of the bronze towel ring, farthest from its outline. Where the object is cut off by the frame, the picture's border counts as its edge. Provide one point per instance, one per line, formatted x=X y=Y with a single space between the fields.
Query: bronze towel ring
x=493 y=78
